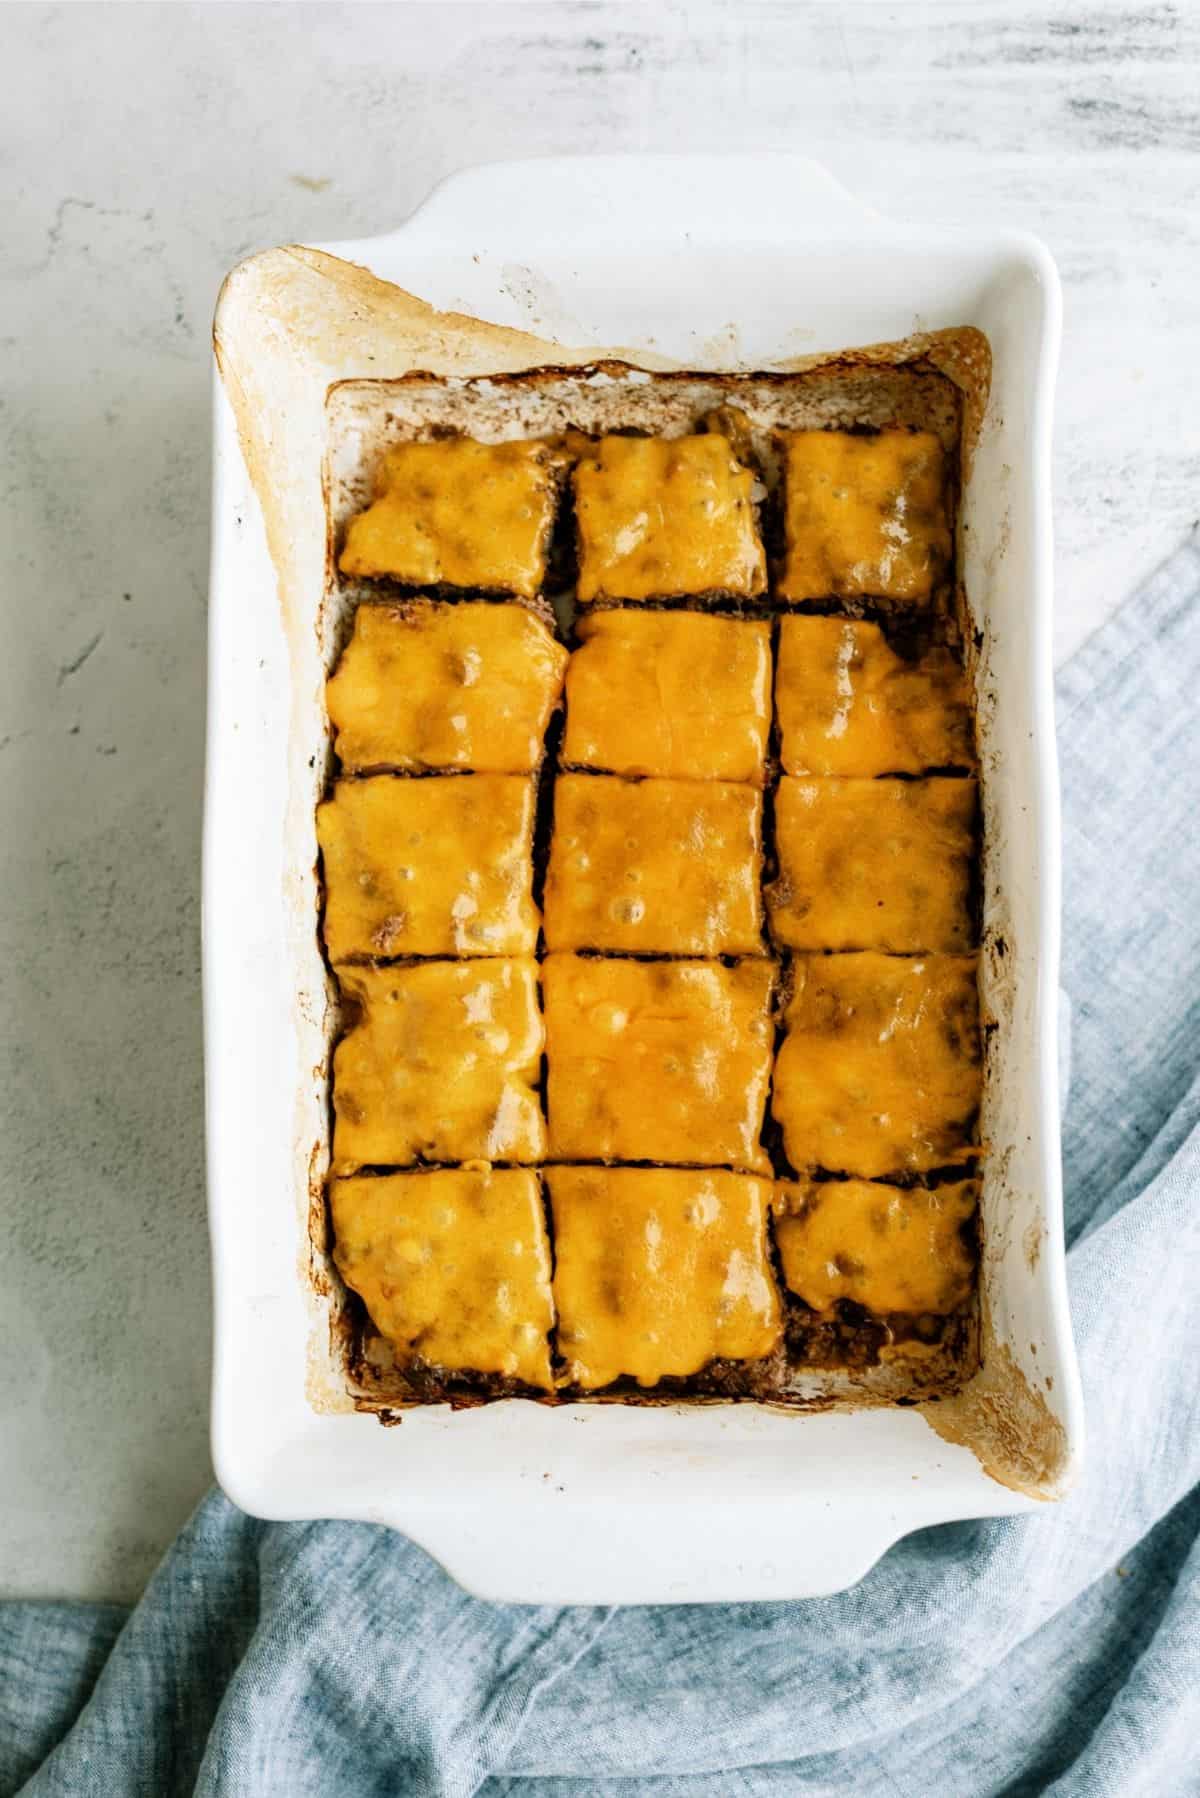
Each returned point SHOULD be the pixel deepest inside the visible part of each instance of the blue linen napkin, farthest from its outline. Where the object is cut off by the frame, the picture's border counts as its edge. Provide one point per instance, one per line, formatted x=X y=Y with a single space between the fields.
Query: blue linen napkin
x=1058 y=1653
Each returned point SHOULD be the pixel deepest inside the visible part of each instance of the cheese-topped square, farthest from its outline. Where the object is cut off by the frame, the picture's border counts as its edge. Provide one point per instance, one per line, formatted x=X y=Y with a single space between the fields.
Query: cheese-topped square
x=661 y=866
x=890 y=1249
x=457 y=513
x=848 y=704
x=437 y=866
x=424 y=685
x=453 y=1266
x=684 y=694
x=441 y=1063
x=880 y=1070
x=874 y=864
x=666 y=518
x=659 y=1271
x=863 y=515
x=658 y=1061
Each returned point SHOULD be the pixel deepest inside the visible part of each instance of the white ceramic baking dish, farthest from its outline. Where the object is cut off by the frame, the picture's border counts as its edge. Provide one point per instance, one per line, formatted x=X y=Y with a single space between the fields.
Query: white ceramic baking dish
x=704 y=263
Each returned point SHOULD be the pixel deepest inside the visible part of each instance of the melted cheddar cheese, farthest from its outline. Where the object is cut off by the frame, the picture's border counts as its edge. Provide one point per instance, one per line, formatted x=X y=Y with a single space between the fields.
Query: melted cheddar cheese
x=666 y=518
x=424 y=685
x=888 y=1248
x=453 y=1267
x=660 y=866
x=460 y=514
x=670 y=693
x=879 y=1072
x=863 y=515
x=849 y=705
x=873 y=864
x=658 y=1061
x=439 y=866
x=442 y=1065
x=659 y=1271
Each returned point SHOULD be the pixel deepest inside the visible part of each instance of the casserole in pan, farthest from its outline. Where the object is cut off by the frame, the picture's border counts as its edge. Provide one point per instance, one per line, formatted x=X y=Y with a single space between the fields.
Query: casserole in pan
x=737 y=268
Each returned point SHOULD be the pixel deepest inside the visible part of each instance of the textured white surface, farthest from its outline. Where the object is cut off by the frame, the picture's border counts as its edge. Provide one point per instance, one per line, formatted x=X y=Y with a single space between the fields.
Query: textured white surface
x=147 y=149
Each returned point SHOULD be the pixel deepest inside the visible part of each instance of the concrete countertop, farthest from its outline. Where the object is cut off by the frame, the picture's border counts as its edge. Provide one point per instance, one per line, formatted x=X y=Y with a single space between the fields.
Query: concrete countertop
x=152 y=147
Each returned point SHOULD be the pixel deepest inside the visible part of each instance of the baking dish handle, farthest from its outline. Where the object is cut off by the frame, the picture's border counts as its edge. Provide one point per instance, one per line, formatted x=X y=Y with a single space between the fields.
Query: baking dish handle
x=612 y=201
x=648 y=1554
